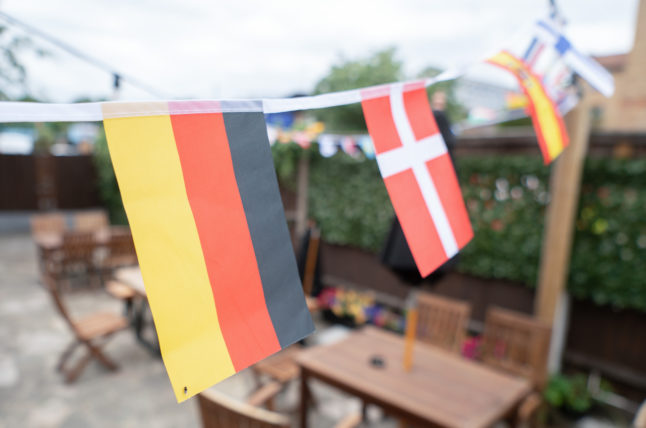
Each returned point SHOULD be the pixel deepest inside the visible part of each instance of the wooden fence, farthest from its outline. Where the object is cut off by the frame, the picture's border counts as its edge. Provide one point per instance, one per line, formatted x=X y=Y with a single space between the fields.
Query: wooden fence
x=34 y=182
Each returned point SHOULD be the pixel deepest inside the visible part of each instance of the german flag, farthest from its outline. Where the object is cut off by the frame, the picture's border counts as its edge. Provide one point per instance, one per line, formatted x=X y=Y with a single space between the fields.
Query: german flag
x=548 y=123
x=203 y=204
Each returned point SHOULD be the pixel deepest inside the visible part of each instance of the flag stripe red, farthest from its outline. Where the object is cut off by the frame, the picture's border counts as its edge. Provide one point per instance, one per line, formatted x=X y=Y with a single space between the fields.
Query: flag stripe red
x=416 y=221
x=213 y=193
x=448 y=188
x=381 y=126
x=419 y=114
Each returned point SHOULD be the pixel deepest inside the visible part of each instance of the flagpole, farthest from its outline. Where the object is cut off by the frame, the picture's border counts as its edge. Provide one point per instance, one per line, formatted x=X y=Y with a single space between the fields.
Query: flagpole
x=551 y=301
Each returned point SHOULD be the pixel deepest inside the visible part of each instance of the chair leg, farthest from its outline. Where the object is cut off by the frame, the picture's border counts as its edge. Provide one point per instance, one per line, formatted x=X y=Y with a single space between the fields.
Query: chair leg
x=65 y=355
x=73 y=373
x=95 y=351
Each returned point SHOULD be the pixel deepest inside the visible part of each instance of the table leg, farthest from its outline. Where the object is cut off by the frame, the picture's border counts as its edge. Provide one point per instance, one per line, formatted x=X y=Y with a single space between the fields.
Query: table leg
x=305 y=396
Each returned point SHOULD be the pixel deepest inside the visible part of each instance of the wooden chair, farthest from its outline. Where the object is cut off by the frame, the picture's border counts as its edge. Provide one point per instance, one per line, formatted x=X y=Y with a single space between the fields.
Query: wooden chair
x=46 y=224
x=518 y=344
x=221 y=411
x=91 y=332
x=52 y=223
x=119 y=251
x=280 y=367
x=75 y=257
x=442 y=321
x=91 y=221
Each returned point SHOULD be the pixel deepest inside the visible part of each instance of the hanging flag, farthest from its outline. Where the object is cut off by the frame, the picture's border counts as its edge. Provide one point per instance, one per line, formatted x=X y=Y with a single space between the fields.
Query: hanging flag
x=206 y=216
x=349 y=146
x=418 y=173
x=327 y=145
x=365 y=142
x=597 y=76
x=548 y=123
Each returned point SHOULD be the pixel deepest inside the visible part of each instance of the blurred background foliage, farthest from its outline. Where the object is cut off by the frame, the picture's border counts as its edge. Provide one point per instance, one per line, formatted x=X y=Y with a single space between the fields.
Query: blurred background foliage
x=107 y=182
x=506 y=197
x=375 y=69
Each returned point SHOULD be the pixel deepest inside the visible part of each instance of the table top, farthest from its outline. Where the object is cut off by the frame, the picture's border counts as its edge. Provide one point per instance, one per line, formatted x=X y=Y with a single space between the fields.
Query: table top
x=131 y=276
x=441 y=388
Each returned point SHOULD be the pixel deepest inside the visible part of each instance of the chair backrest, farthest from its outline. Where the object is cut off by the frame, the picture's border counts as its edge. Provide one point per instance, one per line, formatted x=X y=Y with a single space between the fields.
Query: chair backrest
x=122 y=247
x=47 y=223
x=78 y=246
x=442 y=321
x=91 y=221
x=517 y=344
x=221 y=411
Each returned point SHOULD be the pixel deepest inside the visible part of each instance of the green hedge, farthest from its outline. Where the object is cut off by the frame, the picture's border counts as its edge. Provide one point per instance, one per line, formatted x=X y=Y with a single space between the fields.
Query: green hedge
x=506 y=197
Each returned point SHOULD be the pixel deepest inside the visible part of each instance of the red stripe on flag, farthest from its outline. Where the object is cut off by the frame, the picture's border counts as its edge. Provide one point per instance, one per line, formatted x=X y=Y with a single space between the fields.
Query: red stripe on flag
x=381 y=126
x=419 y=114
x=542 y=144
x=221 y=222
x=448 y=188
x=416 y=221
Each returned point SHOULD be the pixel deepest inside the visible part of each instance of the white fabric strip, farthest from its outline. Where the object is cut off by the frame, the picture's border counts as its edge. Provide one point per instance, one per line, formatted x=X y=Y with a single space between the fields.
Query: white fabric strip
x=418 y=164
x=91 y=112
x=41 y=112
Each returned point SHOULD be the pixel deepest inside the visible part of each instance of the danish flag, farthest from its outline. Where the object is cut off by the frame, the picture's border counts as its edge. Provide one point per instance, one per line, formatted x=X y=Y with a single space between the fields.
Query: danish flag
x=418 y=173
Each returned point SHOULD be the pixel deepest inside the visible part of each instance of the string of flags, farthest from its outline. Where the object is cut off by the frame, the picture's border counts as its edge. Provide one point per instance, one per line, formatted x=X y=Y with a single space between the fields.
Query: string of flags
x=200 y=191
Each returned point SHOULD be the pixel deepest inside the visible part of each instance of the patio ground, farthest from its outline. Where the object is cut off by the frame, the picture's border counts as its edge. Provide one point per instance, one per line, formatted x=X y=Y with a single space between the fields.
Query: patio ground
x=33 y=335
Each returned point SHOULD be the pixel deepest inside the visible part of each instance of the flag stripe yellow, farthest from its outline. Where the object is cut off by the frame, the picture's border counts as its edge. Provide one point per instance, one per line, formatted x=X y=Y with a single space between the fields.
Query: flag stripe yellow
x=152 y=187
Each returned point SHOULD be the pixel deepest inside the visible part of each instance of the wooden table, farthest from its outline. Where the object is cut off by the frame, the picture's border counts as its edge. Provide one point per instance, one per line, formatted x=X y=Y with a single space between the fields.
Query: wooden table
x=131 y=277
x=442 y=389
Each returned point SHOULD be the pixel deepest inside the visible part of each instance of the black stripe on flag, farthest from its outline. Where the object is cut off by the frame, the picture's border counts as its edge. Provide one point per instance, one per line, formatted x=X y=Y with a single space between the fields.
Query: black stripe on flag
x=258 y=186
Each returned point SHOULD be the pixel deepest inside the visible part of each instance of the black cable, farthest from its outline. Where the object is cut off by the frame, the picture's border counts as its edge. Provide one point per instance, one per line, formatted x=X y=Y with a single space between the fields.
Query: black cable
x=82 y=56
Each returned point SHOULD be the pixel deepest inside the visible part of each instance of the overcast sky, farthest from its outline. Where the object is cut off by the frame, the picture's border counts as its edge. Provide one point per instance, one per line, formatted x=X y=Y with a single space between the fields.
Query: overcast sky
x=246 y=49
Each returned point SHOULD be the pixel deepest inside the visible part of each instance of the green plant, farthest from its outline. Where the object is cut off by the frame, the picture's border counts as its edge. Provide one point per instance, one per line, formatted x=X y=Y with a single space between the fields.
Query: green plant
x=107 y=182
x=569 y=394
x=506 y=197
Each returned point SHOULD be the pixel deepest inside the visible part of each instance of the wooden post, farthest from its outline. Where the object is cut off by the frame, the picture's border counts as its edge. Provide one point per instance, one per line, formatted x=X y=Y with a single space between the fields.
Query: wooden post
x=565 y=184
x=302 y=191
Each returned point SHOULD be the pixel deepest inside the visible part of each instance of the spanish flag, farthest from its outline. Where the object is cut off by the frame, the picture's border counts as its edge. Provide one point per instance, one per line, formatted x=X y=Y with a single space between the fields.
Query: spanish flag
x=548 y=123
x=199 y=188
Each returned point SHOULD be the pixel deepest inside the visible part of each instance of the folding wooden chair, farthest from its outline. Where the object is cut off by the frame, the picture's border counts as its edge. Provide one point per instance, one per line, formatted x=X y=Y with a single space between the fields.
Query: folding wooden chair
x=47 y=224
x=221 y=411
x=76 y=257
x=91 y=221
x=119 y=251
x=91 y=332
x=518 y=344
x=442 y=321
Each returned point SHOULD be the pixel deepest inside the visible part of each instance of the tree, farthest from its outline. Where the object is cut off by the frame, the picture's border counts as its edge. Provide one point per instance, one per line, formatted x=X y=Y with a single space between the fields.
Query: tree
x=13 y=75
x=382 y=67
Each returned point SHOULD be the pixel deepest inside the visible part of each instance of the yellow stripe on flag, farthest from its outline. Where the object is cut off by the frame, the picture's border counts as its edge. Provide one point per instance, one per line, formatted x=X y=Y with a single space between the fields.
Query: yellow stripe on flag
x=150 y=178
x=549 y=121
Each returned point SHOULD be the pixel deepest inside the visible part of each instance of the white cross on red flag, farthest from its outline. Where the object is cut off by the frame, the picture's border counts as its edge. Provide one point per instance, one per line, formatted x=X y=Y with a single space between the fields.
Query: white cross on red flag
x=418 y=173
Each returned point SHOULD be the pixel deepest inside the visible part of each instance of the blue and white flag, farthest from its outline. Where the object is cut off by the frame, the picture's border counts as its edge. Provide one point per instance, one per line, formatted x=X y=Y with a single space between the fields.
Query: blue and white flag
x=548 y=34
